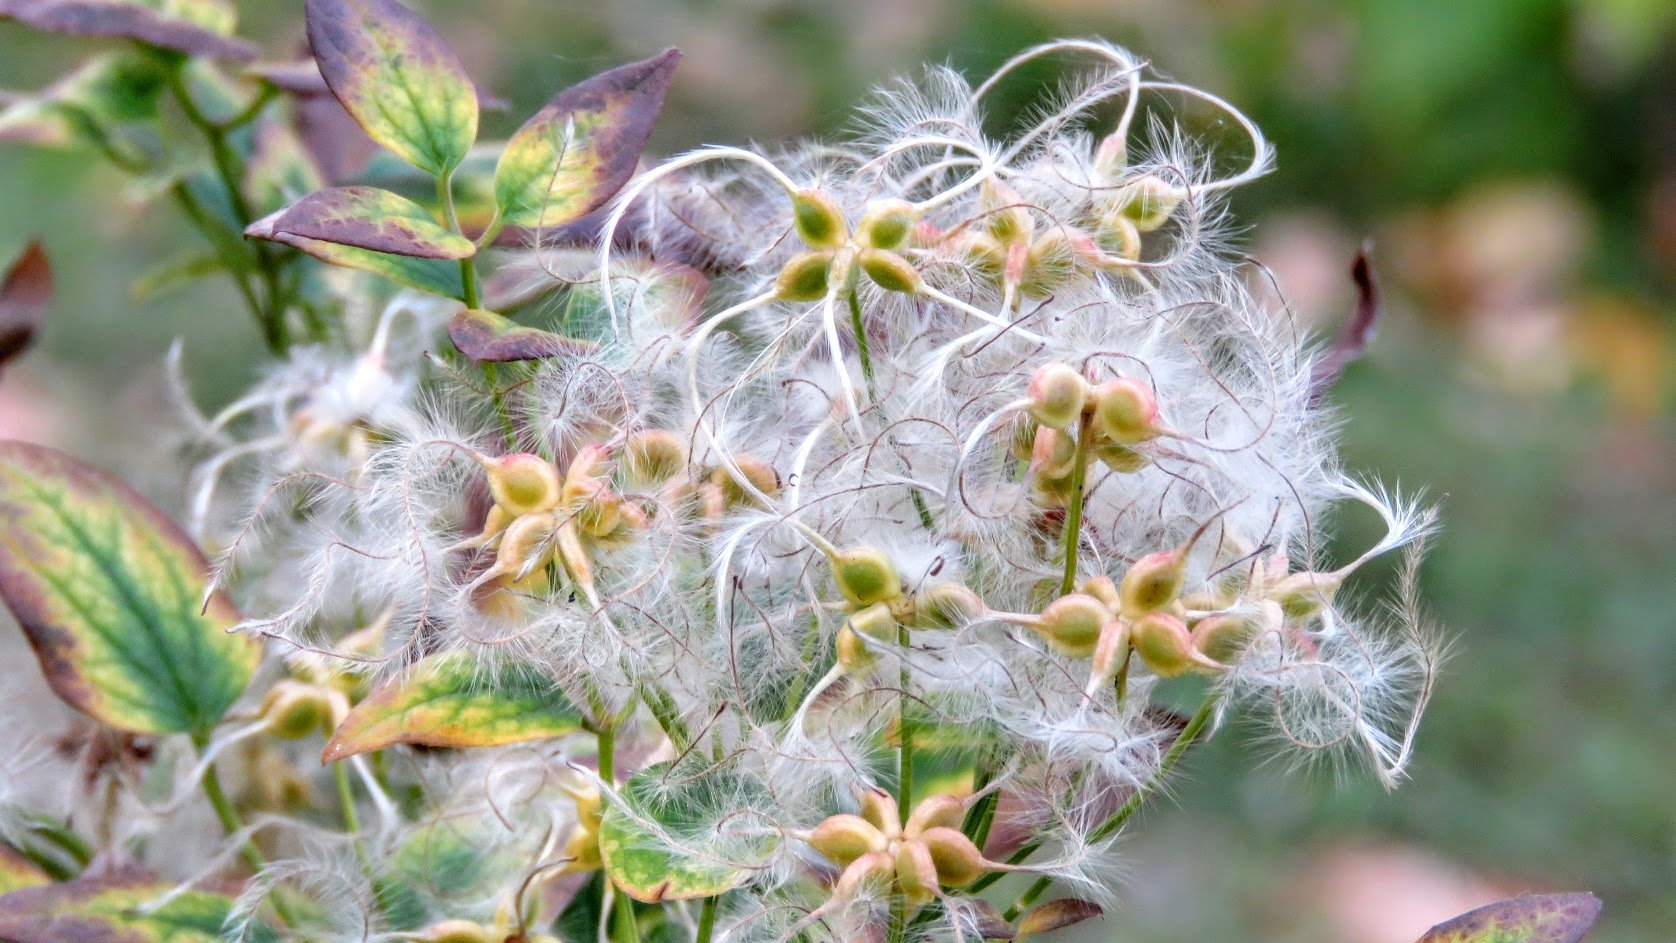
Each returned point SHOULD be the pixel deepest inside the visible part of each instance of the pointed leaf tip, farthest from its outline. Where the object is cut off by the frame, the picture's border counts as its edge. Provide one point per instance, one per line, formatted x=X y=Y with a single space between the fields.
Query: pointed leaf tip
x=1057 y=915
x=367 y=218
x=25 y=297
x=1543 y=918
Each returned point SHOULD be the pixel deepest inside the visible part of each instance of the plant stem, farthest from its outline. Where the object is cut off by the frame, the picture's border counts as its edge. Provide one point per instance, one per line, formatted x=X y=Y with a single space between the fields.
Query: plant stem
x=898 y=918
x=1073 y=513
x=1184 y=741
x=904 y=731
x=229 y=818
x=706 y=921
x=624 y=928
x=451 y=216
x=863 y=350
x=346 y=798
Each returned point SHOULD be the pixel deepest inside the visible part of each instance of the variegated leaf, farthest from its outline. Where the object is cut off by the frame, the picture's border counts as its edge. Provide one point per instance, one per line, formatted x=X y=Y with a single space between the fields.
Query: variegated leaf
x=195 y=27
x=671 y=835
x=449 y=700
x=1056 y=915
x=111 y=595
x=25 y=296
x=398 y=78
x=130 y=907
x=1543 y=918
x=487 y=337
x=579 y=150
x=366 y=218
x=436 y=276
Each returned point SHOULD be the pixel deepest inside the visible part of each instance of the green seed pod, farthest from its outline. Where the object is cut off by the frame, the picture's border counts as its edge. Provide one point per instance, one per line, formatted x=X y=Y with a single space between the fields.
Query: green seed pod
x=654 y=456
x=522 y=483
x=1163 y=642
x=945 y=606
x=872 y=873
x=1126 y=411
x=757 y=473
x=1054 y=454
x=877 y=621
x=1053 y=261
x=1152 y=583
x=1051 y=492
x=1023 y=437
x=891 y=271
x=819 y=220
x=885 y=224
x=1071 y=624
x=1123 y=459
x=1116 y=234
x=852 y=653
x=843 y=838
x=939 y=811
x=1110 y=653
x=1103 y=589
x=982 y=254
x=881 y=811
x=956 y=858
x=459 y=931
x=1057 y=395
x=806 y=277
x=1305 y=594
x=916 y=873
x=865 y=576
x=1224 y=638
x=294 y=709
x=1008 y=221
x=1150 y=202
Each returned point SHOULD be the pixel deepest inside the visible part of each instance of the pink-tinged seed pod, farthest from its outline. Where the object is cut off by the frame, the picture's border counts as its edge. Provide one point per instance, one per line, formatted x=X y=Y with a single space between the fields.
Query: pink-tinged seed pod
x=885 y=224
x=1153 y=582
x=1057 y=395
x=587 y=475
x=946 y=606
x=1071 y=624
x=1111 y=157
x=294 y=709
x=1122 y=459
x=1111 y=652
x=1126 y=411
x=1163 y=642
x=654 y=456
x=819 y=221
x=1117 y=236
x=957 y=860
x=601 y=515
x=916 y=873
x=1103 y=589
x=870 y=875
x=939 y=811
x=843 y=838
x=1053 y=260
x=522 y=483
x=1007 y=219
x=881 y=811
x=459 y=931
x=890 y=271
x=865 y=576
x=853 y=654
x=1305 y=594
x=758 y=474
x=1054 y=454
x=807 y=277
x=1150 y=202
x=526 y=545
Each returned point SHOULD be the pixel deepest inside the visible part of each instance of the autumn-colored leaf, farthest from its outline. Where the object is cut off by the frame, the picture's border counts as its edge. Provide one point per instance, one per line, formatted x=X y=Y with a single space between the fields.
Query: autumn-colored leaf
x=366 y=218
x=110 y=593
x=579 y=150
x=129 y=907
x=398 y=78
x=194 y=27
x=1355 y=336
x=449 y=700
x=437 y=276
x=25 y=296
x=1542 y=918
x=668 y=837
x=18 y=872
x=1056 y=915
x=989 y=922
x=487 y=337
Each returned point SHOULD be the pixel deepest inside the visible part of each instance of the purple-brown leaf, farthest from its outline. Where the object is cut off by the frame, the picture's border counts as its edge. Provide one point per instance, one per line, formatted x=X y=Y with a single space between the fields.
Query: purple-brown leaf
x=126 y=19
x=1357 y=334
x=1056 y=915
x=367 y=218
x=1543 y=918
x=25 y=296
x=486 y=336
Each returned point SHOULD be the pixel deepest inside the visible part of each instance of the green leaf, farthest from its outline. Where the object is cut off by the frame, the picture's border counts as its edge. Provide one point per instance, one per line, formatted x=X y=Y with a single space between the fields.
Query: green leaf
x=449 y=700
x=111 y=595
x=579 y=150
x=441 y=861
x=1056 y=915
x=366 y=218
x=129 y=907
x=86 y=106
x=437 y=276
x=487 y=337
x=25 y=296
x=398 y=78
x=578 y=922
x=18 y=872
x=1543 y=918
x=194 y=27
x=673 y=835
x=176 y=273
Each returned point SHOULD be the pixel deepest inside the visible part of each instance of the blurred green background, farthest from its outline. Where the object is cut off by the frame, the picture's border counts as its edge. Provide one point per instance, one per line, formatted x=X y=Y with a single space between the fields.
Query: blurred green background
x=1514 y=164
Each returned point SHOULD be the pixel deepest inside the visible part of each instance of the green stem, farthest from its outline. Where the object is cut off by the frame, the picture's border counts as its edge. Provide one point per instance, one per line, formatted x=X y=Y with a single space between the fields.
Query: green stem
x=898 y=918
x=904 y=731
x=229 y=818
x=346 y=798
x=863 y=350
x=1073 y=513
x=706 y=921
x=668 y=716
x=451 y=216
x=1184 y=741
x=624 y=928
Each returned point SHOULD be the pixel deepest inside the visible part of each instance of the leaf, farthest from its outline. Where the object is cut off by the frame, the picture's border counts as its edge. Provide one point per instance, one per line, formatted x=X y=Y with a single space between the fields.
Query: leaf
x=18 y=872
x=1057 y=915
x=1544 y=918
x=1356 y=335
x=194 y=27
x=450 y=701
x=486 y=336
x=398 y=79
x=579 y=150
x=129 y=907
x=578 y=922
x=440 y=861
x=25 y=297
x=281 y=170
x=111 y=595
x=366 y=218
x=437 y=276
x=86 y=105
x=176 y=273
x=671 y=837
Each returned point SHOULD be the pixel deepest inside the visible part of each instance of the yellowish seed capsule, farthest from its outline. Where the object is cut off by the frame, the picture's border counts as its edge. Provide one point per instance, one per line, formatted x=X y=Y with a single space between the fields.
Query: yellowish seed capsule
x=806 y=277
x=294 y=709
x=654 y=456
x=1123 y=459
x=1126 y=411
x=1057 y=395
x=1051 y=492
x=1054 y=454
x=1165 y=645
x=1103 y=589
x=601 y=515
x=865 y=576
x=1007 y=219
x=946 y=606
x=527 y=545
x=890 y=271
x=843 y=838
x=819 y=221
x=1111 y=653
x=853 y=653
x=881 y=811
x=759 y=475
x=956 y=858
x=939 y=811
x=981 y=254
x=1116 y=235
x=916 y=873
x=1052 y=262
x=1223 y=638
x=869 y=875
x=1152 y=583
x=1149 y=202
x=877 y=621
x=1071 y=624
x=1305 y=594
x=459 y=931
x=885 y=224
x=1023 y=437
x=522 y=483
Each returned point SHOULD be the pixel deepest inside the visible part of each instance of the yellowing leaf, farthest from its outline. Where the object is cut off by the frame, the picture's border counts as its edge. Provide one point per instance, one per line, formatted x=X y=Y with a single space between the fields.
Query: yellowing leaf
x=1056 y=915
x=674 y=835
x=398 y=78
x=18 y=872
x=195 y=27
x=487 y=337
x=450 y=701
x=127 y=908
x=110 y=594
x=1542 y=918
x=366 y=218
x=437 y=276
x=579 y=150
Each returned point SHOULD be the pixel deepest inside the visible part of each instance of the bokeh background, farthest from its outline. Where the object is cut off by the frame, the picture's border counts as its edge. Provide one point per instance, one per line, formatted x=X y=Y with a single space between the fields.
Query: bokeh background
x=1513 y=163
